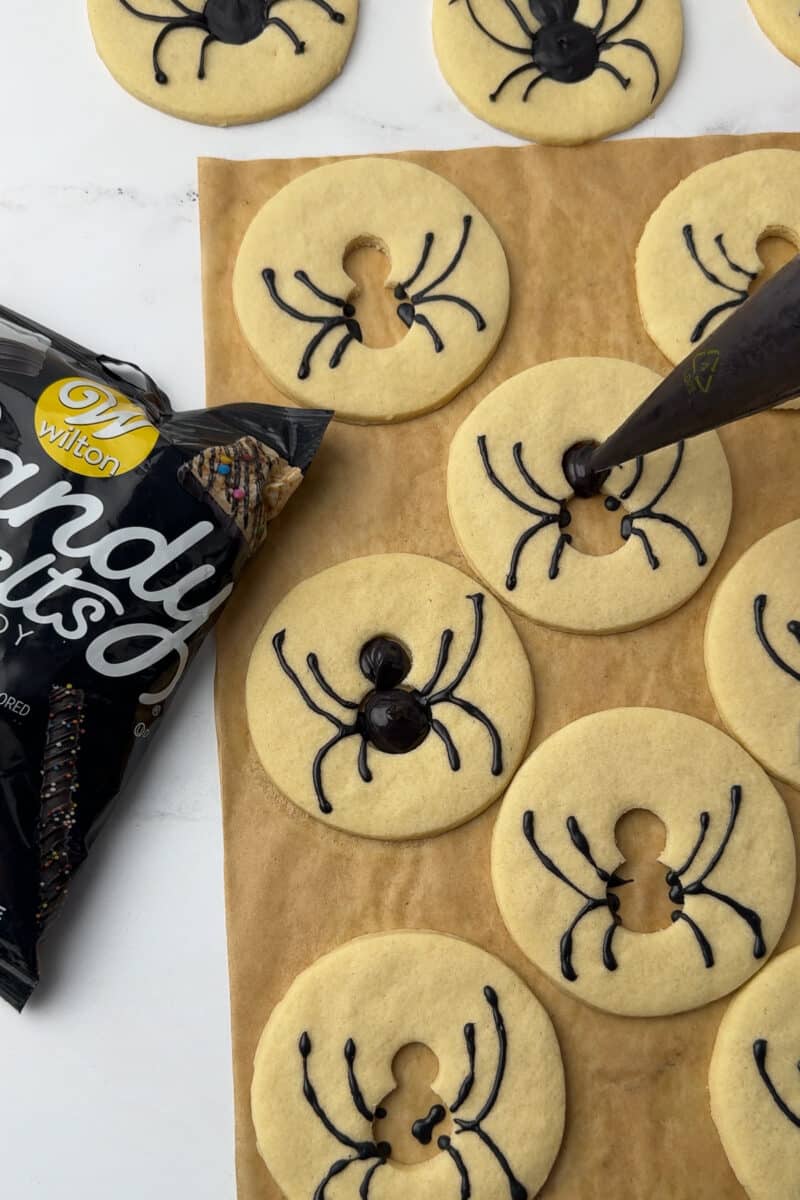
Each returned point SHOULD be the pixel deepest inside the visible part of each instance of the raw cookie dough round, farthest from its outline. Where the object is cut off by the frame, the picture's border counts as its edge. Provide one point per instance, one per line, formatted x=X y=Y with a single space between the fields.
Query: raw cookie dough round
x=752 y=651
x=500 y=1081
x=293 y=296
x=729 y=861
x=754 y=1081
x=514 y=525
x=599 y=73
x=698 y=255
x=780 y=21
x=445 y=730
x=223 y=62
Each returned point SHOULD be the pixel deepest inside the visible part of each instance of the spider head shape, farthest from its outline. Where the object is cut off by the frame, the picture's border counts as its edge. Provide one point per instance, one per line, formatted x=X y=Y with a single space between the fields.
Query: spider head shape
x=236 y=22
x=564 y=49
x=394 y=719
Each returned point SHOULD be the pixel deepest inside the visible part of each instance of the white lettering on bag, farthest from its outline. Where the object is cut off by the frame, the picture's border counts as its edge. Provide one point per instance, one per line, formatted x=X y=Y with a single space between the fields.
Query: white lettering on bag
x=32 y=584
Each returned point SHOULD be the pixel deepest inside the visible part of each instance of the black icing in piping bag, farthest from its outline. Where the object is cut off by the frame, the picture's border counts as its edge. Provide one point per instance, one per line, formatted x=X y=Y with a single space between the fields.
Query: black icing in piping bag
x=752 y=362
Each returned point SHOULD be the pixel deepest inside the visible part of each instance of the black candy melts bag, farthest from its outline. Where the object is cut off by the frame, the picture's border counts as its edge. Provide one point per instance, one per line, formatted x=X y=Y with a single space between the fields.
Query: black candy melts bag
x=123 y=528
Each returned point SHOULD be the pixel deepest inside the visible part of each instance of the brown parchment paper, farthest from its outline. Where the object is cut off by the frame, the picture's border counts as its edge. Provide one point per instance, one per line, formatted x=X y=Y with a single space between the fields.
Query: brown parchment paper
x=638 y=1122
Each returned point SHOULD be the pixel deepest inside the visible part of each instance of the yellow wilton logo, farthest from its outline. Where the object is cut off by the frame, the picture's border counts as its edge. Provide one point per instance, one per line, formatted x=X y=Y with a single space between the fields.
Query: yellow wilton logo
x=92 y=430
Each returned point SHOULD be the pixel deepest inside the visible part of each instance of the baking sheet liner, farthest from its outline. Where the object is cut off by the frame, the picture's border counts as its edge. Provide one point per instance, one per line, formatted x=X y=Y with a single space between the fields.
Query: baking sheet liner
x=638 y=1121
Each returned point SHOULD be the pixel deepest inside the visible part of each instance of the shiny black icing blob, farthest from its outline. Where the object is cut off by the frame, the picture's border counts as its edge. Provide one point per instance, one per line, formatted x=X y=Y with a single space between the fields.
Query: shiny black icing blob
x=679 y=888
x=413 y=294
x=559 y=517
x=391 y=718
x=562 y=49
x=760 y=1048
x=233 y=22
x=377 y=1154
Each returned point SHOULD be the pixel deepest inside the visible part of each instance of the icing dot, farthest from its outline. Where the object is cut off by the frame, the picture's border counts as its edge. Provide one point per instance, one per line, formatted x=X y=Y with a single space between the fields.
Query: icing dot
x=238 y=493
x=223 y=469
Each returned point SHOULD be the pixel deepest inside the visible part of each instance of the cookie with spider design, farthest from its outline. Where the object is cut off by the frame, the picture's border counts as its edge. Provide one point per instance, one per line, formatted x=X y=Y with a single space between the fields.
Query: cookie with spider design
x=299 y=310
x=324 y=1092
x=224 y=62
x=559 y=71
x=520 y=526
x=780 y=21
x=754 y=1082
x=752 y=651
x=698 y=256
x=729 y=861
x=389 y=696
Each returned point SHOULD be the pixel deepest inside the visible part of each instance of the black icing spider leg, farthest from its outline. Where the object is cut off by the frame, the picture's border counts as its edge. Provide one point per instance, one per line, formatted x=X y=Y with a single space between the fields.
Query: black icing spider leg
x=634 y=44
x=362 y=1151
x=592 y=903
x=468 y=1082
x=493 y=37
x=739 y=294
x=441 y=662
x=342 y=730
x=474 y=1125
x=647 y=512
x=609 y=33
x=411 y=302
x=561 y=519
x=515 y=74
x=760 y=1048
x=344 y=319
x=447 y=695
x=679 y=890
x=178 y=23
x=299 y=45
x=314 y=668
x=759 y=608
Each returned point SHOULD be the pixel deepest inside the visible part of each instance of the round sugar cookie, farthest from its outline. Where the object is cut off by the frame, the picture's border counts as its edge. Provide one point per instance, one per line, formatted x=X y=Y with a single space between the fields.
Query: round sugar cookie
x=780 y=21
x=754 y=1081
x=729 y=861
x=559 y=71
x=295 y=302
x=389 y=696
x=752 y=651
x=323 y=1073
x=223 y=62
x=698 y=256
x=514 y=513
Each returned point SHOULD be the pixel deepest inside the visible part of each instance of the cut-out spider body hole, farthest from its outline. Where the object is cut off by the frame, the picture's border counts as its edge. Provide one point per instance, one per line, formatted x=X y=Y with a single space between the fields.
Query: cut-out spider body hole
x=760 y=1048
x=562 y=49
x=558 y=520
x=412 y=301
x=630 y=526
x=607 y=900
x=392 y=718
x=738 y=294
x=232 y=22
x=679 y=888
x=759 y=607
x=376 y=1154
x=559 y=517
x=373 y=1155
x=343 y=318
x=412 y=294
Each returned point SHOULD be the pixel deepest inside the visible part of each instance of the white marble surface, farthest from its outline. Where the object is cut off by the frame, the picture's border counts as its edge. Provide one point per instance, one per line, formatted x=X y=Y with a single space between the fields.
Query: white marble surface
x=116 y=1081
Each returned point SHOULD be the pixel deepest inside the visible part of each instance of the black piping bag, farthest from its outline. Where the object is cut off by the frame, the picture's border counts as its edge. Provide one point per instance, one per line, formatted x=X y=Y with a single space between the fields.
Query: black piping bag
x=751 y=363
